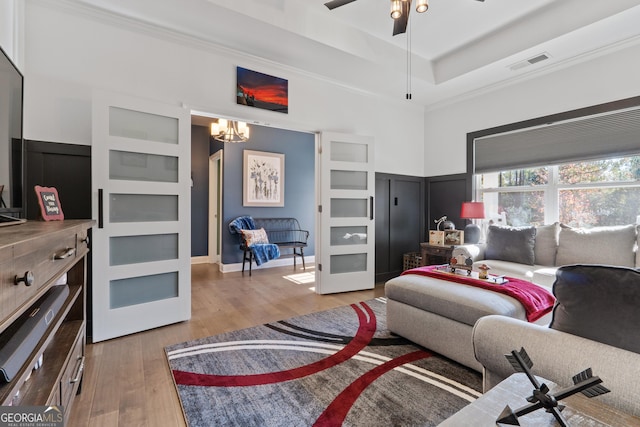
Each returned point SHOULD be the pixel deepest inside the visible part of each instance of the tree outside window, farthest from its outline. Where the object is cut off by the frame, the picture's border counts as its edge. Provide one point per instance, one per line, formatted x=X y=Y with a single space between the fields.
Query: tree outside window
x=600 y=192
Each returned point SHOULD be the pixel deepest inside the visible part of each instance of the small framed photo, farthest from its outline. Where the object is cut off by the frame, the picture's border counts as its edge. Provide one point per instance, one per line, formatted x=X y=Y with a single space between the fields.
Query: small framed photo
x=453 y=237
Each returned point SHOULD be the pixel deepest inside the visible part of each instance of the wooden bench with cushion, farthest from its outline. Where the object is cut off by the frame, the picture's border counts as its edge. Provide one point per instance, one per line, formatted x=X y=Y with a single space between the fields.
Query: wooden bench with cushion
x=285 y=233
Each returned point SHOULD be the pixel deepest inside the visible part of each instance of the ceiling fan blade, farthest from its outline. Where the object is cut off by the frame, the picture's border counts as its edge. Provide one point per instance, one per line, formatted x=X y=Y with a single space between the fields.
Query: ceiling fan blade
x=337 y=3
x=400 y=24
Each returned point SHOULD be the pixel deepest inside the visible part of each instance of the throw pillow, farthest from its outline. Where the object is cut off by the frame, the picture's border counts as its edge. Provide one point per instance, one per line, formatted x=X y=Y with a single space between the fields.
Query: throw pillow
x=599 y=303
x=546 y=245
x=253 y=237
x=513 y=244
x=599 y=245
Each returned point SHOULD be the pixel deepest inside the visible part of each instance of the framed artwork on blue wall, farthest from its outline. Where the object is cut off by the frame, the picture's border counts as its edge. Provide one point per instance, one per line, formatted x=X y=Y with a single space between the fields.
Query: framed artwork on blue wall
x=262 y=179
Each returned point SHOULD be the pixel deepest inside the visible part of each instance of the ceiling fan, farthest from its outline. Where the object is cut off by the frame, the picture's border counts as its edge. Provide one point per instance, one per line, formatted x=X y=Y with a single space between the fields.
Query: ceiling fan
x=399 y=11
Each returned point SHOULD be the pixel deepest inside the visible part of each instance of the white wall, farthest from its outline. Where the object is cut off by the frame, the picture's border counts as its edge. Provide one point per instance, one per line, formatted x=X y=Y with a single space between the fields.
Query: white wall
x=7 y=27
x=68 y=53
x=603 y=79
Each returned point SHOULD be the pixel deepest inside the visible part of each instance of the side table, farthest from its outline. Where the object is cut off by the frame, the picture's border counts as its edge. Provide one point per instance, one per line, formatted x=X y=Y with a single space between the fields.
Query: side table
x=579 y=410
x=435 y=254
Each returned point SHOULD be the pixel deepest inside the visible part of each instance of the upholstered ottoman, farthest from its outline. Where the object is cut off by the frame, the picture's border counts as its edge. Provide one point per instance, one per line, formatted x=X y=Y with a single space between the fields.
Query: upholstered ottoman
x=440 y=315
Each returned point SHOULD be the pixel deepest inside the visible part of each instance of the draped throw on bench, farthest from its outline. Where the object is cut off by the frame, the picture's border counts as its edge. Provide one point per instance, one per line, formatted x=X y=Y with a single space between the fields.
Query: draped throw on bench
x=261 y=252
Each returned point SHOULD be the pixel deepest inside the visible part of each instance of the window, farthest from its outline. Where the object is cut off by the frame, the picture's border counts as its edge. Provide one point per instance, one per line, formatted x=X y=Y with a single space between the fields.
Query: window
x=580 y=194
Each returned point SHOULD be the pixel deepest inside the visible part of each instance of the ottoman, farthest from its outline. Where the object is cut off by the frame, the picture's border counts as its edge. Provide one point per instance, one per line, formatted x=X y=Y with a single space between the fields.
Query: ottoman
x=439 y=315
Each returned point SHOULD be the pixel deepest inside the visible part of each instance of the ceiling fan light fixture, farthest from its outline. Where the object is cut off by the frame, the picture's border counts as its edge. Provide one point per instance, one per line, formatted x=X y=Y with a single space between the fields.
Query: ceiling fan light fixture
x=422 y=6
x=396 y=9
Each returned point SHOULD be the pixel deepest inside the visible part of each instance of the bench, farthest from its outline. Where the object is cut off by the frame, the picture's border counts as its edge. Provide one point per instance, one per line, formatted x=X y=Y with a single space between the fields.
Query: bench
x=287 y=234
x=284 y=232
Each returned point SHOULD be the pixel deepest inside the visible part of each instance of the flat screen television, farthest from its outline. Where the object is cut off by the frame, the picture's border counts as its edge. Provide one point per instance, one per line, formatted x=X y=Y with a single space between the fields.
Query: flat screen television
x=11 y=141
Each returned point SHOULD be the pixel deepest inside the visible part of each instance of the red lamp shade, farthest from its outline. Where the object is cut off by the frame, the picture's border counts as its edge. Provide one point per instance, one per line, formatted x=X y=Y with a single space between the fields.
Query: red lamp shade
x=472 y=210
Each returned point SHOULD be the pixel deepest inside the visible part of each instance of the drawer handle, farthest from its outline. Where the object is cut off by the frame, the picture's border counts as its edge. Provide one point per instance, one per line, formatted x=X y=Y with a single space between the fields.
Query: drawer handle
x=65 y=253
x=85 y=240
x=79 y=372
x=27 y=279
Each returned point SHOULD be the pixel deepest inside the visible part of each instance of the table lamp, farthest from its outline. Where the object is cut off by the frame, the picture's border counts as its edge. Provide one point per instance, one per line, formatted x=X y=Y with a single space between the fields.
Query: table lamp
x=472 y=210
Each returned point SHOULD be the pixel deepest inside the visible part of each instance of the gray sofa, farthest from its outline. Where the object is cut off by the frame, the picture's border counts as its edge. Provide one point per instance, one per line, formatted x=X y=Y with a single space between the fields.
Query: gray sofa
x=595 y=325
x=535 y=254
x=441 y=317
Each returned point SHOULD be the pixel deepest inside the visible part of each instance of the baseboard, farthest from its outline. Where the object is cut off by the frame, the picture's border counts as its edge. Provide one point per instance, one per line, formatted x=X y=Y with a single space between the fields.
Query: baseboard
x=282 y=262
x=200 y=260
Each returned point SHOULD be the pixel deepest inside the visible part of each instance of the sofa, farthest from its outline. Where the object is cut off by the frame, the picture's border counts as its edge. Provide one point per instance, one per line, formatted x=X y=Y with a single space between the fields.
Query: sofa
x=594 y=325
x=441 y=316
x=535 y=253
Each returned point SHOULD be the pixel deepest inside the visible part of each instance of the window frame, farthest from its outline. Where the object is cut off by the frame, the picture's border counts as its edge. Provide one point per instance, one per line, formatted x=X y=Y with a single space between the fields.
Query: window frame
x=551 y=189
x=535 y=122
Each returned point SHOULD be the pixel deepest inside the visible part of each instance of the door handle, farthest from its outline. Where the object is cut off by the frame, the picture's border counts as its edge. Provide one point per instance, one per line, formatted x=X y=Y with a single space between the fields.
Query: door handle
x=371 y=207
x=100 y=208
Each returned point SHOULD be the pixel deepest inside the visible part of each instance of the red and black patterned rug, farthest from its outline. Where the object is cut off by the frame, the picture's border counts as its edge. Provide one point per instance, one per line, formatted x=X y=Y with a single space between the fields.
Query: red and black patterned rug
x=339 y=367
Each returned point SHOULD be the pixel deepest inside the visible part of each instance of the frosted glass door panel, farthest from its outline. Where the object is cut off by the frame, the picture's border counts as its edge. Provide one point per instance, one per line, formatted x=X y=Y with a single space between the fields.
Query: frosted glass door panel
x=140 y=290
x=136 y=249
x=348 y=152
x=349 y=208
x=143 y=207
x=140 y=125
x=350 y=263
x=348 y=180
x=345 y=228
x=342 y=236
x=142 y=167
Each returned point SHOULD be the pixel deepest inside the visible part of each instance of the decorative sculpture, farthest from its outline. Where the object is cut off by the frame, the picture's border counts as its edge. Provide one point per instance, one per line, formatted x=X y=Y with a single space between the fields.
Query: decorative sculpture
x=584 y=382
x=443 y=224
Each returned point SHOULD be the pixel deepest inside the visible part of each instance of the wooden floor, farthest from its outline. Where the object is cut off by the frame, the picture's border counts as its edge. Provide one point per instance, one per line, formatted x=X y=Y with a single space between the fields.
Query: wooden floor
x=127 y=380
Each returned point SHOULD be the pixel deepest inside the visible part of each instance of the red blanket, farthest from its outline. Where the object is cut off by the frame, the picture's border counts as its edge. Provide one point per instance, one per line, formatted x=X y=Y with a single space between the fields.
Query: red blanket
x=536 y=300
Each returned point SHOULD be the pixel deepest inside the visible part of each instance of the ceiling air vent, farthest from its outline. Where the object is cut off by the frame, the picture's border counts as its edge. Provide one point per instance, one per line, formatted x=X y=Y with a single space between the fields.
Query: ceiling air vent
x=533 y=60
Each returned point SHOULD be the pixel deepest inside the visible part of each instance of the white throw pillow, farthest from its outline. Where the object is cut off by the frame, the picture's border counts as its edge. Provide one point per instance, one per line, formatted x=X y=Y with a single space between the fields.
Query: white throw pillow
x=599 y=245
x=546 y=244
x=254 y=237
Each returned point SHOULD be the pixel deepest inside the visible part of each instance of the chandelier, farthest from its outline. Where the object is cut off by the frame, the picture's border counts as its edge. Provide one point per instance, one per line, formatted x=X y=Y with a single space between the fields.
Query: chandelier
x=230 y=131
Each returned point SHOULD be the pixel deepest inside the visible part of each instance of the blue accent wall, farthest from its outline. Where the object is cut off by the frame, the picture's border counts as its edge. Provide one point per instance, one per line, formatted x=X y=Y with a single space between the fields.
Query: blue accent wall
x=299 y=186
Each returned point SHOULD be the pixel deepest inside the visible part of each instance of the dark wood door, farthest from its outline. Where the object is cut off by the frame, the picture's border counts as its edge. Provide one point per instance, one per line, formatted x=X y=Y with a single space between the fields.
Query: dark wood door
x=67 y=167
x=446 y=195
x=399 y=221
x=406 y=220
x=382 y=225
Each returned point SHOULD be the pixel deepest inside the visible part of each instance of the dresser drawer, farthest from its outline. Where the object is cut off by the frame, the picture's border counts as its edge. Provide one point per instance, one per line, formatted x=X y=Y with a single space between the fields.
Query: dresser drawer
x=44 y=262
x=48 y=251
x=72 y=374
x=7 y=291
x=444 y=251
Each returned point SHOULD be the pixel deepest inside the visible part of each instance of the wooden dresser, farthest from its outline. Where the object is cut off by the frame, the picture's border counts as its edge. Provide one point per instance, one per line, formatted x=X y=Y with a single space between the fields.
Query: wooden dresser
x=34 y=257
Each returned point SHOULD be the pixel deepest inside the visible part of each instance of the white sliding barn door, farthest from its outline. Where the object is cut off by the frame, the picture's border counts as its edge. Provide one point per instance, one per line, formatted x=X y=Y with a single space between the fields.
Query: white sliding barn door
x=345 y=225
x=141 y=154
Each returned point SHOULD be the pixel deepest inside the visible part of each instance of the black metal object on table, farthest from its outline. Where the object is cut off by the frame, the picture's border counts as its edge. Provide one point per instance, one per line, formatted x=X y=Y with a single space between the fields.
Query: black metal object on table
x=584 y=382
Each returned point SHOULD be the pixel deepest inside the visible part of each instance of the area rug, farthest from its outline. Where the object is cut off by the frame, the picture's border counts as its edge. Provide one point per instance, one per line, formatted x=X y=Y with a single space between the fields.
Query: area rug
x=339 y=367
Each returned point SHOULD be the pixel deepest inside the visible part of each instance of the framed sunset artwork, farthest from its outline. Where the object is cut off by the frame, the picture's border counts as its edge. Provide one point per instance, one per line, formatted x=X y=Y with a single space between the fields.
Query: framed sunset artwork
x=262 y=90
